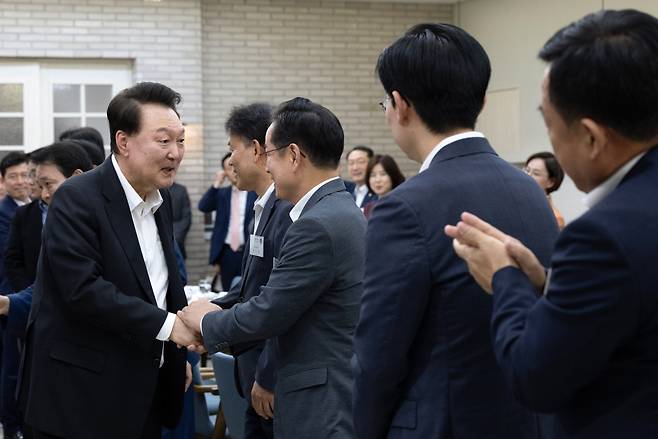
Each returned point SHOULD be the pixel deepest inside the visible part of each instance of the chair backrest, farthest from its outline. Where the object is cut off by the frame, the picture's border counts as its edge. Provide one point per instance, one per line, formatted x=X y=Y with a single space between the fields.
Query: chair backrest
x=233 y=404
x=202 y=424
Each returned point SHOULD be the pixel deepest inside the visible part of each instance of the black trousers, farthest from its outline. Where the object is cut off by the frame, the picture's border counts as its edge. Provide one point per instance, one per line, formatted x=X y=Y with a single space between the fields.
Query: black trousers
x=256 y=427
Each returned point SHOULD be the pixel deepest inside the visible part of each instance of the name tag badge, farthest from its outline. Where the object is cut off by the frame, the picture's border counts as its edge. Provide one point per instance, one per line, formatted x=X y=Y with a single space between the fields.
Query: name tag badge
x=256 y=245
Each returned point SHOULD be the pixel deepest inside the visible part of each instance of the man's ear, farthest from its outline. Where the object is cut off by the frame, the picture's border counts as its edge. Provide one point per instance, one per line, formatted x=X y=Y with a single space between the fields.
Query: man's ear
x=255 y=149
x=121 y=139
x=401 y=109
x=295 y=154
x=77 y=172
x=598 y=137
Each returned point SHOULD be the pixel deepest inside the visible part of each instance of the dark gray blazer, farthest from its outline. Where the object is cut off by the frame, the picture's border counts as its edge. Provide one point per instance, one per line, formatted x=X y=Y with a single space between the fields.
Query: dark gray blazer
x=311 y=305
x=251 y=360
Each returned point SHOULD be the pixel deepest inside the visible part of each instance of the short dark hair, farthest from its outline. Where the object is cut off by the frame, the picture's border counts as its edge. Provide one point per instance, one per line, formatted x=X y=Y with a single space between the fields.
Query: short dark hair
x=369 y=152
x=250 y=121
x=87 y=134
x=12 y=159
x=605 y=67
x=553 y=168
x=390 y=167
x=315 y=129
x=92 y=151
x=441 y=71
x=124 y=110
x=66 y=155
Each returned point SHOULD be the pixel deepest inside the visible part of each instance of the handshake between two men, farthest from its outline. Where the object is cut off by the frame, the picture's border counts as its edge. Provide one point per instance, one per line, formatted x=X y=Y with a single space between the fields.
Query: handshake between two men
x=187 y=326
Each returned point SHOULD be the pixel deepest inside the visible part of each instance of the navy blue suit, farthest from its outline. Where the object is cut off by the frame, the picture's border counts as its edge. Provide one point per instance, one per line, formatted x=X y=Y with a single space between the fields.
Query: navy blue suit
x=424 y=365
x=370 y=196
x=588 y=349
x=218 y=200
x=258 y=361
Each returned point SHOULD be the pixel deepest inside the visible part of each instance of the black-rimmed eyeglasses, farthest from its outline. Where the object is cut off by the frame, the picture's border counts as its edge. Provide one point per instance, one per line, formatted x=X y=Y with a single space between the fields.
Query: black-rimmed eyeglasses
x=384 y=103
x=268 y=151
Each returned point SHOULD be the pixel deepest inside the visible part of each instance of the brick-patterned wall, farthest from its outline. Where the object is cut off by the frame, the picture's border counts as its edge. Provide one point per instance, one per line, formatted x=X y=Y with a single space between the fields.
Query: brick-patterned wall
x=326 y=50
x=219 y=53
x=273 y=50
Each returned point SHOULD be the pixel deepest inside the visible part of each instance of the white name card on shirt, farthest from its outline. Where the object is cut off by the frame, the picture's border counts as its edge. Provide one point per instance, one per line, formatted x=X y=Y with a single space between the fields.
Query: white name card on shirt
x=256 y=246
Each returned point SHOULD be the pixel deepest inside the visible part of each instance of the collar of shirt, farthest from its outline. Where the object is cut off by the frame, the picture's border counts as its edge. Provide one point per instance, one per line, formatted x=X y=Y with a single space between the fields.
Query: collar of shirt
x=360 y=190
x=445 y=142
x=259 y=205
x=20 y=202
x=296 y=211
x=602 y=190
x=152 y=202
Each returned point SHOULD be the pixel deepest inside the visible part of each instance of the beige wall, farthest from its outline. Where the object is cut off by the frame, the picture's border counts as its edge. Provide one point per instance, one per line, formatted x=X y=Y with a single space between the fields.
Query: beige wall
x=512 y=32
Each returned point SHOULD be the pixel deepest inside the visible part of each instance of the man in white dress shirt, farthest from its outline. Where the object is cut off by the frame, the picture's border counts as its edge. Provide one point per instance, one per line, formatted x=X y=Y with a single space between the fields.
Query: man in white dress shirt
x=100 y=355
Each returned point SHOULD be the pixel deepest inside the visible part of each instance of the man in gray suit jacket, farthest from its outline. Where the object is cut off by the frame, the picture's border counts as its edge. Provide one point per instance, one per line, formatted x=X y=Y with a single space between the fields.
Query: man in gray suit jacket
x=311 y=301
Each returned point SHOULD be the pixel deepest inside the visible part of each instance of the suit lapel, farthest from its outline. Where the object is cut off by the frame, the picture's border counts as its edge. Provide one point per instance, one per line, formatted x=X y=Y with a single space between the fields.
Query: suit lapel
x=118 y=213
x=167 y=240
x=264 y=219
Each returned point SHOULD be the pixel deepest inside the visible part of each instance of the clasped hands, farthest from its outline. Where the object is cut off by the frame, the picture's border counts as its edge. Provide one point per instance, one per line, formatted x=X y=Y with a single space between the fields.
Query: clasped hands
x=187 y=326
x=487 y=250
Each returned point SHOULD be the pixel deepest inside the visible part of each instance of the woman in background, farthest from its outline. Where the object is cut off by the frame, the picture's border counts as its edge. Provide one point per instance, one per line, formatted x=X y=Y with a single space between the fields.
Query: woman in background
x=382 y=176
x=548 y=174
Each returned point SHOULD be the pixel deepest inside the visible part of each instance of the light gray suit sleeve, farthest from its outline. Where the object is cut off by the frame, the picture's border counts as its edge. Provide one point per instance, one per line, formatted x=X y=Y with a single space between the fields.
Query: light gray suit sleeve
x=305 y=269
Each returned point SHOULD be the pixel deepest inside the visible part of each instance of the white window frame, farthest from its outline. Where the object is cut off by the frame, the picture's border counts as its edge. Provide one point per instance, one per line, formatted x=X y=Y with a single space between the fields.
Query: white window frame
x=26 y=74
x=119 y=75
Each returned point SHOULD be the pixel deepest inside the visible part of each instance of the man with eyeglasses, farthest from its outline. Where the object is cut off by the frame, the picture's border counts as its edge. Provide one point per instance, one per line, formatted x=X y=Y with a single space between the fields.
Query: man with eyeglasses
x=255 y=369
x=310 y=303
x=424 y=366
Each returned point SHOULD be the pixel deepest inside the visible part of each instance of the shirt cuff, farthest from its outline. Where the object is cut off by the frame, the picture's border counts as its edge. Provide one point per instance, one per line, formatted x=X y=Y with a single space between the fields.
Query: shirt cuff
x=167 y=327
x=201 y=325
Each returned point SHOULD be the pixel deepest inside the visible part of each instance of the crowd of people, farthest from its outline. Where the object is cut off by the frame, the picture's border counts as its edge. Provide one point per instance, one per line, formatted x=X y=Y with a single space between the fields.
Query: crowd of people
x=453 y=304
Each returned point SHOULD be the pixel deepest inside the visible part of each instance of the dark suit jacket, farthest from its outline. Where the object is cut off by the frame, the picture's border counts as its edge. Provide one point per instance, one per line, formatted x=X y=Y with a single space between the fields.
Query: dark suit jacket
x=219 y=200
x=92 y=363
x=310 y=304
x=370 y=196
x=19 y=306
x=180 y=206
x=588 y=349
x=424 y=365
x=273 y=225
x=7 y=210
x=24 y=246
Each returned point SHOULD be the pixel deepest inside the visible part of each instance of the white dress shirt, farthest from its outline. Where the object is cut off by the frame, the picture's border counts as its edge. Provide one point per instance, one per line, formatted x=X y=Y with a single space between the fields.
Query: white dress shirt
x=259 y=205
x=360 y=193
x=142 y=212
x=602 y=190
x=296 y=211
x=445 y=142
